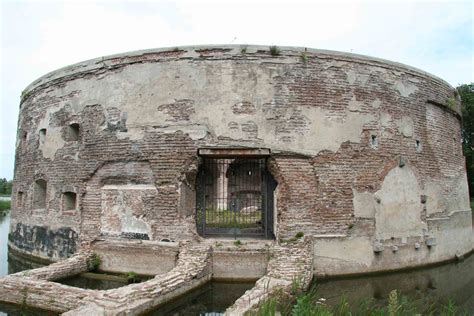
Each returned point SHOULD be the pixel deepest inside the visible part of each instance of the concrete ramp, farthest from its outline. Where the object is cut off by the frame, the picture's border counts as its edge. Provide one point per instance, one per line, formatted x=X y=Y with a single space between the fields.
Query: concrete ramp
x=290 y=268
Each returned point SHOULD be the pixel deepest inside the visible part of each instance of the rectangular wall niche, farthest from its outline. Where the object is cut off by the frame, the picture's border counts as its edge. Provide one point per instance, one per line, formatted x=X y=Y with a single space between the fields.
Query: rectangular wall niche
x=73 y=132
x=39 y=194
x=234 y=192
x=69 y=201
x=42 y=136
x=19 y=199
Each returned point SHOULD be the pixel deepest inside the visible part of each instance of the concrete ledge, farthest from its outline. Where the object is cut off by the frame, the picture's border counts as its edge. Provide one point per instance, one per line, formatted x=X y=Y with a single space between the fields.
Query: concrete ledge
x=446 y=238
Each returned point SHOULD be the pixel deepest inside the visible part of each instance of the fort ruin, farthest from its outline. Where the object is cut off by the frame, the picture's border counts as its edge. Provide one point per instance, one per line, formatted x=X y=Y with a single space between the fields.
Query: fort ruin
x=133 y=155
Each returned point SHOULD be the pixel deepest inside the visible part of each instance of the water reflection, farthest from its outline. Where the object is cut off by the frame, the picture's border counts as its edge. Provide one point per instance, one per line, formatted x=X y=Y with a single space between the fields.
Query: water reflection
x=213 y=298
x=17 y=264
x=92 y=283
x=15 y=310
x=426 y=287
x=4 y=227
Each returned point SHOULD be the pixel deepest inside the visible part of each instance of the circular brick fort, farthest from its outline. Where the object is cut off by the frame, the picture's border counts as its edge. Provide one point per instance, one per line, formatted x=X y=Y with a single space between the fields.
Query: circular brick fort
x=362 y=156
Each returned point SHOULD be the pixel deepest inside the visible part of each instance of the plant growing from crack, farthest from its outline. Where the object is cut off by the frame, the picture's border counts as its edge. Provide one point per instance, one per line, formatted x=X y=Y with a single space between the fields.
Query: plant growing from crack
x=24 y=304
x=299 y=235
x=295 y=285
x=450 y=103
x=93 y=262
x=132 y=277
x=293 y=239
x=304 y=57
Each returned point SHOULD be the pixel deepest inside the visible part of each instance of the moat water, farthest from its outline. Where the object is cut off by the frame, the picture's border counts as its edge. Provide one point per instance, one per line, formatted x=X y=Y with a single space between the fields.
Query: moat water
x=453 y=281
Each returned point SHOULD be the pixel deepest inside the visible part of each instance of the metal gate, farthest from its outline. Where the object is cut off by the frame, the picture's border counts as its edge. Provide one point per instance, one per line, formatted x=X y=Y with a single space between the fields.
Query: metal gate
x=234 y=196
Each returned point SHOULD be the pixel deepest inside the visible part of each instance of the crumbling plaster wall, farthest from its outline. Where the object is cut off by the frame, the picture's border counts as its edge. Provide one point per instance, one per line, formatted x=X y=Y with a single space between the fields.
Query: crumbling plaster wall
x=337 y=125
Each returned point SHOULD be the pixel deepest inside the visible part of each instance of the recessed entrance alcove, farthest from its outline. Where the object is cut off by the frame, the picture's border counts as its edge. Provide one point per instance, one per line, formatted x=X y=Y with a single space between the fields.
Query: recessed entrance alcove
x=235 y=193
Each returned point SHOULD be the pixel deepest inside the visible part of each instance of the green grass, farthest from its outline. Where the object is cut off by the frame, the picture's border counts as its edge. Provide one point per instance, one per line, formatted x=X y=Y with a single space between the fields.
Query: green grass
x=310 y=304
x=472 y=205
x=229 y=219
x=4 y=206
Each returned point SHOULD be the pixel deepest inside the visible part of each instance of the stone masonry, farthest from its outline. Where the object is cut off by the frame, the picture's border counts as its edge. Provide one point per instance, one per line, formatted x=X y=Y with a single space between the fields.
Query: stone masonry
x=35 y=287
x=366 y=153
x=289 y=270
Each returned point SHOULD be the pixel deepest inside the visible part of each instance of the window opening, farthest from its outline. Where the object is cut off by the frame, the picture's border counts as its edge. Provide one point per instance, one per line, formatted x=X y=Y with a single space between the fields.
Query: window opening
x=69 y=201
x=42 y=136
x=418 y=145
x=73 y=132
x=19 y=199
x=39 y=194
x=374 y=142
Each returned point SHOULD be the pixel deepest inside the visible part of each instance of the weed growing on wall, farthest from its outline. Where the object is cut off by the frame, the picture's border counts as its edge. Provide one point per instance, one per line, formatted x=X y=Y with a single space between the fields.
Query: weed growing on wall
x=274 y=51
x=93 y=262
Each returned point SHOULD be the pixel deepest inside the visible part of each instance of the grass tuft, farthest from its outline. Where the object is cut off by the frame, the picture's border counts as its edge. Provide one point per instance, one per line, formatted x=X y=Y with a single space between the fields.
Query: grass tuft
x=310 y=304
x=274 y=51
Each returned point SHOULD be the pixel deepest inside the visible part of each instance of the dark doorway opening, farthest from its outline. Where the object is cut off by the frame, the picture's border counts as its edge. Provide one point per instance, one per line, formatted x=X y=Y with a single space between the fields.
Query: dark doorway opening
x=234 y=196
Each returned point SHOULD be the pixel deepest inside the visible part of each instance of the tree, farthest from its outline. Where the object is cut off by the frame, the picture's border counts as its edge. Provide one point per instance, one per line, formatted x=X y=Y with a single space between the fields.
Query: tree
x=466 y=92
x=6 y=186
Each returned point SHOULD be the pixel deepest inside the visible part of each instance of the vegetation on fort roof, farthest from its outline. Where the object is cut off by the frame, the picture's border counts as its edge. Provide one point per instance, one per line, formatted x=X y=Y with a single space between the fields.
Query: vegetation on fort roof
x=274 y=50
x=466 y=92
x=304 y=57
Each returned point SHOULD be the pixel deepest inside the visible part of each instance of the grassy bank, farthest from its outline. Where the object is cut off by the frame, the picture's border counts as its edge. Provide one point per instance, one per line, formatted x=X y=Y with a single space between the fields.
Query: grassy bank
x=4 y=206
x=310 y=304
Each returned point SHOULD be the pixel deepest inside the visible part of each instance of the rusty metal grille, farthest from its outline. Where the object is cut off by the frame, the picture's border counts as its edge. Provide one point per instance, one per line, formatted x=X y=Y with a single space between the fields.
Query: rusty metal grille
x=232 y=197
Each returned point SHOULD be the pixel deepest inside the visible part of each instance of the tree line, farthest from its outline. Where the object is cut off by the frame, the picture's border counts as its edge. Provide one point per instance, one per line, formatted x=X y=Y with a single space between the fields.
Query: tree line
x=466 y=92
x=6 y=186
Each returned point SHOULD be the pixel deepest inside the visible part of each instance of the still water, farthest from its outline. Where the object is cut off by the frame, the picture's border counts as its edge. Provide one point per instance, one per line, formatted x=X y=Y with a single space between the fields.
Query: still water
x=4 y=227
x=425 y=287
x=438 y=284
x=213 y=298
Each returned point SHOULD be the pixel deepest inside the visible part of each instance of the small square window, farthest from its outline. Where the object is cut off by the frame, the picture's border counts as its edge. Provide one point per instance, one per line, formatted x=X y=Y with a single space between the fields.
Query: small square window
x=69 y=201
x=73 y=132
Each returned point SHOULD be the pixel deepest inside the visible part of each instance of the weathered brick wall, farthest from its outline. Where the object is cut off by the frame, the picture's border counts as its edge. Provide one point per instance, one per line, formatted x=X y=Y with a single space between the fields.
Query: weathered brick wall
x=336 y=124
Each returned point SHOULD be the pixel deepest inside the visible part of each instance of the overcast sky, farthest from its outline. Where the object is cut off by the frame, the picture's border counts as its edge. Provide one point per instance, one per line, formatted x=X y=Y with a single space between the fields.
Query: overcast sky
x=40 y=36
